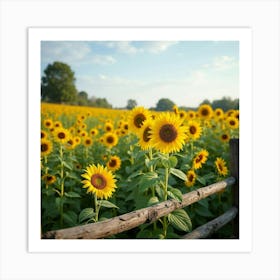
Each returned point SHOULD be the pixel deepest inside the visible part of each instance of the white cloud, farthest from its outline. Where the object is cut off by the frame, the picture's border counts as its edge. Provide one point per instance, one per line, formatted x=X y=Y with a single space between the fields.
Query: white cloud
x=103 y=59
x=130 y=47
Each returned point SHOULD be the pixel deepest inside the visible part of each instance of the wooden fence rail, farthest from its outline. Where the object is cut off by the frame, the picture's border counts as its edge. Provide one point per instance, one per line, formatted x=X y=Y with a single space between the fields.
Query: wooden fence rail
x=212 y=226
x=133 y=219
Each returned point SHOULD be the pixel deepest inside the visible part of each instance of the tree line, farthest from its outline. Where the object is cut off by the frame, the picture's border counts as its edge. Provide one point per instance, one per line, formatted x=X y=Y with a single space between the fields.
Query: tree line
x=58 y=86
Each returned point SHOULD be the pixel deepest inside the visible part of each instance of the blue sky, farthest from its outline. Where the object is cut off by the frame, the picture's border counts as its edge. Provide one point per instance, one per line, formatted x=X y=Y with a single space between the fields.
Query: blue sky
x=187 y=72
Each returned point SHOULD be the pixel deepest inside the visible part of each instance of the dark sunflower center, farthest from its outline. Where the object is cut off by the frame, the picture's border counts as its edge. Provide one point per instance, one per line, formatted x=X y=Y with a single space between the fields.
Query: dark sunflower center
x=192 y=129
x=112 y=163
x=110 y=139
x=139 y=119
x=42 y=135
x=191 y=177
x=61 y=135
x=146 y=134
x=126 y=127
x=98 y=181
x=48 y=124
x=108 y=128
x=44 y=147
x=49 y=178
x=88 y=142
x=168 y=133
x=204 y=112
x=224 y=136
x=232 y=122
x=199 y=158
x=220 y=166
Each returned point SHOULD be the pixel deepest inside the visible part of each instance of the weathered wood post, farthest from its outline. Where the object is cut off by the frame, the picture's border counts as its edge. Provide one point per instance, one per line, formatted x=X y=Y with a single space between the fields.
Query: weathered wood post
x=234 y=170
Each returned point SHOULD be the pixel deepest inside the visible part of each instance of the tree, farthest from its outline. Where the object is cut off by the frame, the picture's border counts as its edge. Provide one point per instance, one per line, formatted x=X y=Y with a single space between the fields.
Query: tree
x=58 y=84
x=164 y=104
x=131 y=103
x=82 y=98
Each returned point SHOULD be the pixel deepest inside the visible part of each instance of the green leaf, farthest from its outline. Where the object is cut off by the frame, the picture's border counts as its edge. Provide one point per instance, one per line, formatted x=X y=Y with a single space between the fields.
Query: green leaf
x=148 y=180
x=72 y=195
x=153 y=200
x=160 y=192
x=66 y=165
x=173 y=161
x=144 y=234
x=175 y=193
x=107 y=204
x=204 y=212
x=86 y=214
x=201 y=180
x=180 y=220
x=178 y=173
x=70 y=217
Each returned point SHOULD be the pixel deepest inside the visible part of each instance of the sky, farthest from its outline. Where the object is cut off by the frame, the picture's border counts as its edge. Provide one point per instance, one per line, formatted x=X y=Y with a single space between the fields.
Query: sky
x=186 y=72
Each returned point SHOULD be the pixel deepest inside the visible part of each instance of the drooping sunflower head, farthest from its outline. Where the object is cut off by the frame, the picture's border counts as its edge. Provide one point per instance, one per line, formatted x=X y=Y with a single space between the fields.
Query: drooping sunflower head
x=145 y=135
x=205 y=111
x=61 y=135
x=46 y=147
x=99 y=181
x=194 y=129
x=199 y=159
x=114 y=163
x=191 y=176
x=137 y=117
x=110 y=139
x=70 y=144
x=175 y=109
x=167 y=133
x=221 y=166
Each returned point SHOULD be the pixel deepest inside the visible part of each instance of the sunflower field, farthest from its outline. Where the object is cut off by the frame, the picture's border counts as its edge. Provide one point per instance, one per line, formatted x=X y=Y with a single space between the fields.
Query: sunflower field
x=100 y=163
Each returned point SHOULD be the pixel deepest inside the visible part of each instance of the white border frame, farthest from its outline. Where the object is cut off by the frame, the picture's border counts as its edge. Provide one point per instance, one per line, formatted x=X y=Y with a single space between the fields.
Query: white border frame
x=243 y=35
x=262 y=16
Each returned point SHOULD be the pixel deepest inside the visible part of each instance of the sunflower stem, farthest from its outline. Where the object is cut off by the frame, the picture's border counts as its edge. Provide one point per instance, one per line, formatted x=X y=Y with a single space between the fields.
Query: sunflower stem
x=165 y=223
x=62 y=185
x=97 y=207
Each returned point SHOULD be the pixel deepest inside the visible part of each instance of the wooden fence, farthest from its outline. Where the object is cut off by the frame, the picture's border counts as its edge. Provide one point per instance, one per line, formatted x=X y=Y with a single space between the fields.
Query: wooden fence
x=151 y=214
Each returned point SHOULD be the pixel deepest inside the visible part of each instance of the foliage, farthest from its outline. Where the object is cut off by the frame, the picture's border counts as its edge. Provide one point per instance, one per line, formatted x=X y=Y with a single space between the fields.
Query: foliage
x=144 y=177
x=58 y=84
x=131 y=103
x=164 y=104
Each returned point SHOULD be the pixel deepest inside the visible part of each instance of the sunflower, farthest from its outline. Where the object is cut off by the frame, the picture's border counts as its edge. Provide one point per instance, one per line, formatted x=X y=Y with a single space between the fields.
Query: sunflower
x=57 y=124
x=48 y=123
x=49 y=179
x=191 y=114
x=99 y=181
x=182 y=114
x=145 y=135
x=194 y=130
x=61 y=135
x=224 y=137
x=219 y=113
x=199 y=159
x=167 y=133
x=191 y=176
x=109 y=126
x=205 y=111
x=221 y=166
x=125 y=126
x=87 y=141
x=93 y=132
x=83 y=133
x=44 y=134
x=175 y=109
x=232 y=122
x=114 y=163
x=70 y=144
x=77 y=140
x=46 y=147
x=110 y=139
x=137 y=117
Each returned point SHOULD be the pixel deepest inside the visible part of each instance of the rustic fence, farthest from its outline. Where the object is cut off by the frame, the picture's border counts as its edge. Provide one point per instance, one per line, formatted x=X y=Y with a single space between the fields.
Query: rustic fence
x=151 y=214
